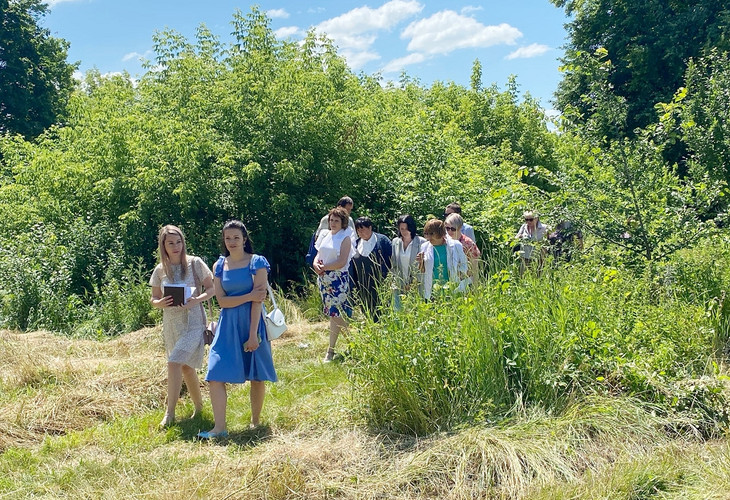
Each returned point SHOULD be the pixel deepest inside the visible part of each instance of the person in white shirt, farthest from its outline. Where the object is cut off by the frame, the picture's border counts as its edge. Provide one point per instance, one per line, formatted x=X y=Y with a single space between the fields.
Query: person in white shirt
x=344 y=202
x=334 y=252
x=531 y=230
x=405 y=248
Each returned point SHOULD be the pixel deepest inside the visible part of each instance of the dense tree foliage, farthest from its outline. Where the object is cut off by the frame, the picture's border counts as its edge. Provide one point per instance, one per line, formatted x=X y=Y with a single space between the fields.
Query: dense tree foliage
x=35 y=79
x=267 y=131
x=635 y=53
x=274 y=132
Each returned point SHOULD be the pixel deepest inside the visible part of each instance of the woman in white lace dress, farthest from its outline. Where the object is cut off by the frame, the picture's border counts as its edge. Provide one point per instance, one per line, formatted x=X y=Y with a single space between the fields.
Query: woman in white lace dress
x=182 y=326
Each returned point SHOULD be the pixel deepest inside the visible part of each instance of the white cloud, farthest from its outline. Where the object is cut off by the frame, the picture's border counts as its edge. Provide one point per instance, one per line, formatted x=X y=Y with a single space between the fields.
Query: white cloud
x=365 y=19
x=136 y=55
x=354 y=32
x=532 y=50
x=315 y=10
x=288 y=31
x=470 y=8
x=358 y=59
x=277 y=13
x=130 y=56
x=355 y=42
x=446 y=31
x=397 y=65
x=78 y=75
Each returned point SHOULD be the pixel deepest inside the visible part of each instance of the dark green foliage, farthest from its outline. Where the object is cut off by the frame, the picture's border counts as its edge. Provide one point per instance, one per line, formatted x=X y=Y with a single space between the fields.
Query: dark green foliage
x=35 y=79
x=703 y=116
x=626 y=195
x=645 y=46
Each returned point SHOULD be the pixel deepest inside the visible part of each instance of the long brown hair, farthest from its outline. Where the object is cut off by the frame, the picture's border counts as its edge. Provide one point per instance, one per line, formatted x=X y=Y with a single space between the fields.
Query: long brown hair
x=170 y=230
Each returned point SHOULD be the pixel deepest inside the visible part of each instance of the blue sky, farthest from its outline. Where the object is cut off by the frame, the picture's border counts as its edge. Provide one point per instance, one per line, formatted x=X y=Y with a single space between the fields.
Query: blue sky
x=430 y=40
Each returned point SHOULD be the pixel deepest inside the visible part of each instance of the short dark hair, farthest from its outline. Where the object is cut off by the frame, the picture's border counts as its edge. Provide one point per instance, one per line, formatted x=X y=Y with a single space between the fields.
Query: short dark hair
x=455 y=207
x=363 y=222
x=344 y=201
x=409 y=221
x=341 y=213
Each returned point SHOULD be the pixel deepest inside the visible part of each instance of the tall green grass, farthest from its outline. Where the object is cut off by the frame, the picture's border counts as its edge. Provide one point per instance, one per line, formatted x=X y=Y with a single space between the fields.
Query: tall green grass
x=540 y=341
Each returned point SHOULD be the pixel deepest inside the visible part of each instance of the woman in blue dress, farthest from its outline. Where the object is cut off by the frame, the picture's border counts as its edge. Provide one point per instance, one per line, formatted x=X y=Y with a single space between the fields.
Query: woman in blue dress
x=240 y=349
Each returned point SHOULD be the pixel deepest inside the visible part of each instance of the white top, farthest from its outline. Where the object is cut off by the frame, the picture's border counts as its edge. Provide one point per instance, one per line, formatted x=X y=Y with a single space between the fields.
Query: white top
x=328 y=246
x=324 y=225
x=525 y=235
x=405 y=262
x=365 y=247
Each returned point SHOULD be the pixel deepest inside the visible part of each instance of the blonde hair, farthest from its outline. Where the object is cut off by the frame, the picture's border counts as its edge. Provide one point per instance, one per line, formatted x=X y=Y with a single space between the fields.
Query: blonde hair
x=456 y=220
x=170 y=230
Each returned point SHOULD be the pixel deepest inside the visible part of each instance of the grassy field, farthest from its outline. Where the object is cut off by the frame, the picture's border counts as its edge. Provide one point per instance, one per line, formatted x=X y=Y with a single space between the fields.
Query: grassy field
x=78 y=419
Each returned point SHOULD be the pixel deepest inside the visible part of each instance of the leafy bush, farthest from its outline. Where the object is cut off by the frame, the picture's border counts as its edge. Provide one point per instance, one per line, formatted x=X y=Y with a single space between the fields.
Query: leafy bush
x=533 y=341
x=122 y=305
x=36 y=273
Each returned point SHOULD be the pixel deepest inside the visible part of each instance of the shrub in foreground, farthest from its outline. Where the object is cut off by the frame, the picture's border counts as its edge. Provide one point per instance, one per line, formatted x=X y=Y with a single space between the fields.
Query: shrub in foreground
x=540 y=341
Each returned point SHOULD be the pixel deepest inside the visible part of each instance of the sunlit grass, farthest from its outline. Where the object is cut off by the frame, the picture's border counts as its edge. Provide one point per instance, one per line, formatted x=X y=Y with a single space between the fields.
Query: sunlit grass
x=79 y=418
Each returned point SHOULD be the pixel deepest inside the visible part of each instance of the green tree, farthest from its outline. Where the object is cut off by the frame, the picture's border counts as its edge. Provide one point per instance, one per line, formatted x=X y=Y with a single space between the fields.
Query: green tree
x=704 y=123
x=627 y=196
x=633 y=51
x=35 y=79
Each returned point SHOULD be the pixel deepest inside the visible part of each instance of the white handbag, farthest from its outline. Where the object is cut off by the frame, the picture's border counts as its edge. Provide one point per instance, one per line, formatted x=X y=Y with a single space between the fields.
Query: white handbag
x=275 y=322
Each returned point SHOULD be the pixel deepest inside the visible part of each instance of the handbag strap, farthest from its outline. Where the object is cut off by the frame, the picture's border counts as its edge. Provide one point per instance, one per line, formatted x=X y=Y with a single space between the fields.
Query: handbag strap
x=200 y=285
x=271 y=294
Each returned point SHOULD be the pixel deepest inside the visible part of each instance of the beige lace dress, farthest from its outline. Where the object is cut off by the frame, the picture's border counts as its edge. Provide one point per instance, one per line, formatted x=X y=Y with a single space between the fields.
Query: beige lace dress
x=182 y=329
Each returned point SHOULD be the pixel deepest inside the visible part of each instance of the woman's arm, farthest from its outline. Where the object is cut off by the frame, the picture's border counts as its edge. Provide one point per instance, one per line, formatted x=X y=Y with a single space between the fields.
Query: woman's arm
x=259 y=281
x=343 y=257
x=318 y=265
x=461 y=262
x=208 y=286
x=157 y=300
x=258 y=294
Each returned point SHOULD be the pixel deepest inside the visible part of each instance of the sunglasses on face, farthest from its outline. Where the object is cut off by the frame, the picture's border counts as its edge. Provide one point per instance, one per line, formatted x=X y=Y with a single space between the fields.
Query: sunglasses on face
x=529 y=219
x=450 y=228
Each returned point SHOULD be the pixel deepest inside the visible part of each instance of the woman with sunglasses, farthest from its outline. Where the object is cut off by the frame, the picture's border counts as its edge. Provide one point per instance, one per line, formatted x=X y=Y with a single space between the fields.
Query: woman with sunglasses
x=441 y=259
x=453 y=226
x=531 y=230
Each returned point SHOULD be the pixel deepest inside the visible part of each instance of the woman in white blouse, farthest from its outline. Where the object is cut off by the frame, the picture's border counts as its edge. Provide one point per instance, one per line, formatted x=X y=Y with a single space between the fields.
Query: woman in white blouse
x=334 y=251
x=405 y=248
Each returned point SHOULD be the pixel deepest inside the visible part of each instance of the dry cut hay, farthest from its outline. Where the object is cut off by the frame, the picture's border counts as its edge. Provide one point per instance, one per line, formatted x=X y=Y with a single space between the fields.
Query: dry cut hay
x=51 y=385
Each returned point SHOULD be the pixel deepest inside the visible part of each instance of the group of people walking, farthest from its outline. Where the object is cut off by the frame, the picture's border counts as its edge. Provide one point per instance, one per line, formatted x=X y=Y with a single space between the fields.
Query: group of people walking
x=350 y=260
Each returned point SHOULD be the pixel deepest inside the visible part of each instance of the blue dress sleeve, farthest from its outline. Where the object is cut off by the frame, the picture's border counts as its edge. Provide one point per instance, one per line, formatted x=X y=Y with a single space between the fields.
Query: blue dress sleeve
x=259 y=262
x=218 y=266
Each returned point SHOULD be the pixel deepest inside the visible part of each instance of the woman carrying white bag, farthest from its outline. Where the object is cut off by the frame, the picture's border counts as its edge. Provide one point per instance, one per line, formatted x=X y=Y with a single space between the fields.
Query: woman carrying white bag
x=274 y=321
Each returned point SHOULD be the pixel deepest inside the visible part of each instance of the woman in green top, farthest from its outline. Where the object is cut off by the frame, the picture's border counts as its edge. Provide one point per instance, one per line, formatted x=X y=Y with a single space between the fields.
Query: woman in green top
x=441 y=258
